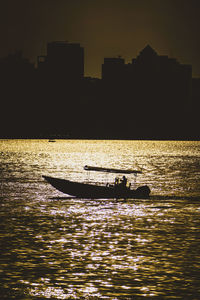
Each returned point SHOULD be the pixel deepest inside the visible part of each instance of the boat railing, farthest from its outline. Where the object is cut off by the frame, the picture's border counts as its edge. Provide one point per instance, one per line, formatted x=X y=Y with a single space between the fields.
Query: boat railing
x=118 y=181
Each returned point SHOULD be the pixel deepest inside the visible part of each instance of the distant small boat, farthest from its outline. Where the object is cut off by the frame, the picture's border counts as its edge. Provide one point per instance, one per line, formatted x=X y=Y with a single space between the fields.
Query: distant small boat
x=52 y=140
x=92 y=191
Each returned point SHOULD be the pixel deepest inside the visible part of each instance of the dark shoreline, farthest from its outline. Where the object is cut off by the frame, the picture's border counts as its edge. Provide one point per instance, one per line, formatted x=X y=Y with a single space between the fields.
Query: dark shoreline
x=96 y=138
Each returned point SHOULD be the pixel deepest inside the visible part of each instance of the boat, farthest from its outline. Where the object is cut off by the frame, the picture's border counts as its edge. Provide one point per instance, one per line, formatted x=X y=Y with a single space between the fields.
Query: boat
x=92 y=191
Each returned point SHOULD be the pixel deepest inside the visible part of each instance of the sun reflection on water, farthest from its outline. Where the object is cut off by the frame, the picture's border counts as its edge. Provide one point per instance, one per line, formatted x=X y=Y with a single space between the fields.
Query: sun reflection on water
x=64 y=248
x=96 y=244
x=102 y=247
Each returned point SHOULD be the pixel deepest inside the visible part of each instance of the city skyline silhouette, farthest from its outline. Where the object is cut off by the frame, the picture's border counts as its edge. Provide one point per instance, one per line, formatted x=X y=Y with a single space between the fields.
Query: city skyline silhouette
x=105 y=28
x=153 y=97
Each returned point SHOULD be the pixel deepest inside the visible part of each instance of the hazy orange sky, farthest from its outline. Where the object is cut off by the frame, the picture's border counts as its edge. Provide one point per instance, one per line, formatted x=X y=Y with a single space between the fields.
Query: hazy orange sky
x=105 y=28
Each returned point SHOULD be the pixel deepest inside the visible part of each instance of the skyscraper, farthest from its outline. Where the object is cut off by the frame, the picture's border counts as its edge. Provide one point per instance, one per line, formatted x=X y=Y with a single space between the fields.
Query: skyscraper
x=63 y=60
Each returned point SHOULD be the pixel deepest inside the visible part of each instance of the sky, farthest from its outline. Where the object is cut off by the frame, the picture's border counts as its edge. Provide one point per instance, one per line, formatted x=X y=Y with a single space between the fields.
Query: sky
x=105 y=28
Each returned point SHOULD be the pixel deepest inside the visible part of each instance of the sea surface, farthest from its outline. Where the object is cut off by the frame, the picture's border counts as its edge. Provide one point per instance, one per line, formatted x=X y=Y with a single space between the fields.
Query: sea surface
x=54 y=246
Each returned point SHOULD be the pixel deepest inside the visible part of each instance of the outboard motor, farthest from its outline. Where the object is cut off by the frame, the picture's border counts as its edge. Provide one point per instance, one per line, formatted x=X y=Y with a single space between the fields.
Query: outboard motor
x=144 y=191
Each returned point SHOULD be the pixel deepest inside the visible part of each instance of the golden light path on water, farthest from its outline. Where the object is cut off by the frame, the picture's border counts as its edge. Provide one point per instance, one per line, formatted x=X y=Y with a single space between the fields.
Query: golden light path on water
x=59 y=247
x=98 y=247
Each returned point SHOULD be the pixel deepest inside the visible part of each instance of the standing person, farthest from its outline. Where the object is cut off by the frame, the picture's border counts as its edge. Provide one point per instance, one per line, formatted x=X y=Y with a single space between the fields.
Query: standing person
x=124 y=181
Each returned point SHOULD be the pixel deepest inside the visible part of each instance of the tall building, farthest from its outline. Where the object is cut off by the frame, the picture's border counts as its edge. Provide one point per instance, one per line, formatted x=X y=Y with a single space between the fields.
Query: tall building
x=153 y=88
x=113 y=69
x=64 y=60
x=163 y=74
x=150 y=78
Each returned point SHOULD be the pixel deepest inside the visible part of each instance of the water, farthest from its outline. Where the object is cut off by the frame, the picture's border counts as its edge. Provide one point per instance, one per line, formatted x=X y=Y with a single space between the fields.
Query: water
x=57 y=247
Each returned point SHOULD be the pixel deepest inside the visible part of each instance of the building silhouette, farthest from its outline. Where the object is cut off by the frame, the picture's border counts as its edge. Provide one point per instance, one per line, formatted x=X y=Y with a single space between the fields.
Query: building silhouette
x=150 y=75
x=60 y=76
x=63 y=60
x=113 y=69
x=17 y=88
x=153 y=91
x=152 y=97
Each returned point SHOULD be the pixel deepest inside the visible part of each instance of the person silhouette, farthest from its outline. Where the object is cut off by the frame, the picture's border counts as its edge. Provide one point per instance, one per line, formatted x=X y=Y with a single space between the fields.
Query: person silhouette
x=116 y=181
x=124 y=180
